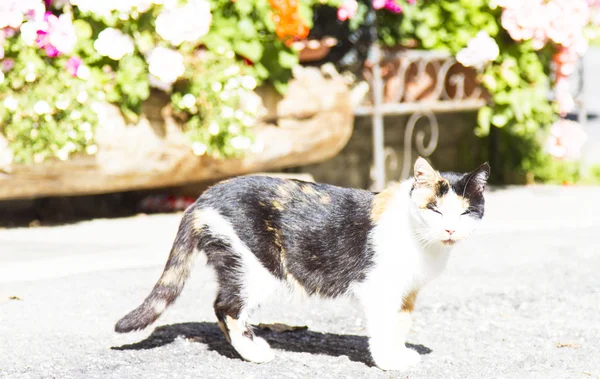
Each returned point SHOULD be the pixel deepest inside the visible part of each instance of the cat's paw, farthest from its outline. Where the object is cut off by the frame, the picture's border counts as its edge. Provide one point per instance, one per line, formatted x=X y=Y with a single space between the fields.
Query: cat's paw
x=398 y=361
x=255 y=350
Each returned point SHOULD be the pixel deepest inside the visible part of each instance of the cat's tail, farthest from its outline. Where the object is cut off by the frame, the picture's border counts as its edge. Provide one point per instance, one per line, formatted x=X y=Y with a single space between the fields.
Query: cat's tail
x=172 y=280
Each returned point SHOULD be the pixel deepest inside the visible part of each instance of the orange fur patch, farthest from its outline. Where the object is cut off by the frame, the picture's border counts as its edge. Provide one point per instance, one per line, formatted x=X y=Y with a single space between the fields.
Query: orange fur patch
x=408 y=303
x=382 y=201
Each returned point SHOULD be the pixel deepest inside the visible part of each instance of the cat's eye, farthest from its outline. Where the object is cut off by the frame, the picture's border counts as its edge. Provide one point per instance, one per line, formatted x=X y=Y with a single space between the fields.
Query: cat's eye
x=433 y=208
x=466 y=212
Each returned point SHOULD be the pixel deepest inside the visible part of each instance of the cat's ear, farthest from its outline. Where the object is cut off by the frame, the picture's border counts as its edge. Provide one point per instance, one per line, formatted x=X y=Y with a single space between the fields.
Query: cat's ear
x=477 y=179
x=425 y=175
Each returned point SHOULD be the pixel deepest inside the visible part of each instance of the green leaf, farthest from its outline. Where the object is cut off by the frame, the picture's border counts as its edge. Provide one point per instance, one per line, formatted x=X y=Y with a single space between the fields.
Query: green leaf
x=252 y=50
x=83 y=30
x=287 y=59
x=247 y=28
x=484 y=118
x=499 y=120
x=244 y=7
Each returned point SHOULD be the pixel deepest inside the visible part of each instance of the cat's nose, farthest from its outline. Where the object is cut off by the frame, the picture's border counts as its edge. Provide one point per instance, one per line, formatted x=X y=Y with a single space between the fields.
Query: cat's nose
x=450 y=231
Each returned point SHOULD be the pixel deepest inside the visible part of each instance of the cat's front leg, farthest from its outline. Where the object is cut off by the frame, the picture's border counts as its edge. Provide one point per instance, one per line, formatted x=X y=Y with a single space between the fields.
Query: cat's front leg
x=388 y=329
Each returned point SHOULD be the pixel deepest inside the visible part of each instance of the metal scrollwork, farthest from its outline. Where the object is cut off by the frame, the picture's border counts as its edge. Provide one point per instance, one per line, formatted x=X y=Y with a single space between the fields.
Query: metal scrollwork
x=422 y=149
x=419 y=84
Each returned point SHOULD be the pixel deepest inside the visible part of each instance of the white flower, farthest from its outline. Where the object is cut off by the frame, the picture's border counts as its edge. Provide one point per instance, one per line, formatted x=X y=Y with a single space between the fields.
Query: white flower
x=30 y=77
x=165 y=66
x=241 y=142
x=92 y=149
x=231 y=70
x=213 y=128
x=82 y=97
x=227 y=112
x=6 y=154
x=252 y=104
x=113 y=44
x=83 y=72
x=41 y=107
x=479 y=51
x=62 y=104
x=63 y=154
x=188 y=100
x=199 y=148
x=62 y=33
x=217 y=86
x=11 y=103
x=189 y=23
x=248 y=82
x=29 y=31
x=12 y=12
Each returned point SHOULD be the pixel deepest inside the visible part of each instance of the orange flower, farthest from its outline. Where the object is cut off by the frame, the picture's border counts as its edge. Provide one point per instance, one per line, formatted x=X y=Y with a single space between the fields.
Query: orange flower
x=289 y=26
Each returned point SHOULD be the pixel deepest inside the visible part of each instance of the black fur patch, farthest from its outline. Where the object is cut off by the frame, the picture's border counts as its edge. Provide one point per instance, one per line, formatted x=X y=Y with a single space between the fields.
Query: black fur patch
x=471 y=187
x=316 y=233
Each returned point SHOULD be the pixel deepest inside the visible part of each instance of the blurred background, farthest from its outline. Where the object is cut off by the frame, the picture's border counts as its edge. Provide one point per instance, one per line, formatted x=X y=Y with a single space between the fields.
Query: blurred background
x=112 y=110
x=115 y=107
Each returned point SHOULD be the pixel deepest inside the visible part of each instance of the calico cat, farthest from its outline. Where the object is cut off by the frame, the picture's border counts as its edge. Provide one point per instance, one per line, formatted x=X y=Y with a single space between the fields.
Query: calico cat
x=259 y=232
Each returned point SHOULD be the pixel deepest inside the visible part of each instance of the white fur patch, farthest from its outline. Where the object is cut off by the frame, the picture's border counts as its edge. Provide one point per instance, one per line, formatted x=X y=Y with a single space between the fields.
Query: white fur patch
x=257 y=282
x=159 y=306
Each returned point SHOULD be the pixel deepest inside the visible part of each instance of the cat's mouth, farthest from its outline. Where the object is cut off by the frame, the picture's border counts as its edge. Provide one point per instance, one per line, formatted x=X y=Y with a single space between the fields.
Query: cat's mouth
x=449 y=242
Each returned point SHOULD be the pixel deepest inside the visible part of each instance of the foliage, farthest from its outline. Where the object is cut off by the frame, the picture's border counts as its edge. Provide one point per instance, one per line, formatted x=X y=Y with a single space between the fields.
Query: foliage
x=61 y=57
x=519 y=78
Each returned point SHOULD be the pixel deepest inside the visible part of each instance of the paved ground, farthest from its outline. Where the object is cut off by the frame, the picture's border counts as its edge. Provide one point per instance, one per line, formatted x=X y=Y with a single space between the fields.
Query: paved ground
x=519 y=301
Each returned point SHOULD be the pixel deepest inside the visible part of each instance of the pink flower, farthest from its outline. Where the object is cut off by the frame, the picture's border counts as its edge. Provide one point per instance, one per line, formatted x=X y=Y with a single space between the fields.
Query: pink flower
x=73 y=65
x=7 y=64
x=57 y=35
x=392 y=6
x=347 y=10
x=566 y=140
x=378 y=4
x=43 y=42
x=411 y=2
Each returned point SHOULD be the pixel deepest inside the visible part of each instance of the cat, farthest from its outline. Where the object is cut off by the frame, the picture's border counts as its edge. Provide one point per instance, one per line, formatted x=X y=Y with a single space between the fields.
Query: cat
x=259 y=232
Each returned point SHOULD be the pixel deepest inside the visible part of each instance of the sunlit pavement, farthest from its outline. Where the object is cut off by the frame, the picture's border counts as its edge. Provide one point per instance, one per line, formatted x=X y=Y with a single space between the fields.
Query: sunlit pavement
x=519 y=300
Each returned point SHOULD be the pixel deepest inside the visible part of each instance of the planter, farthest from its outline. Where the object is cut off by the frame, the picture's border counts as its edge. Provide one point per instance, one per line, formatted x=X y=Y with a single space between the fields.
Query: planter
x=312 y=123
x=412 y=76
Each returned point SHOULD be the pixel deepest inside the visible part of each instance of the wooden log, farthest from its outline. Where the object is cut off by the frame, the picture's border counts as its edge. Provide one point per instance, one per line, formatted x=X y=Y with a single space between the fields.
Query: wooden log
x=312 y=123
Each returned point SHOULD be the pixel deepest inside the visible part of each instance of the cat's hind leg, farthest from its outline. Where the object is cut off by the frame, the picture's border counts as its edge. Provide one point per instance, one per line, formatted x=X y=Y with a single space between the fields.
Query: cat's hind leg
x=244 y=283
x=233 y=321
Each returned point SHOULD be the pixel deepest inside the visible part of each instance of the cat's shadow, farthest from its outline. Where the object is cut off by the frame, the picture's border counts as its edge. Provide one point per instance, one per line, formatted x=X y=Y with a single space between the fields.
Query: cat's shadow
x=303 y=340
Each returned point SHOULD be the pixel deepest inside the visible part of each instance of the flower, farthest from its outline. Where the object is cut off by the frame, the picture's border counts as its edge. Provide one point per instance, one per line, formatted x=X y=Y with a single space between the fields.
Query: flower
x=41 y=107
x=480 y=50
x=14 y=12
x=73 y=65
x=7 y=64
x=392 y=6
x=114 y=44
x=188 y=23
x=241 y=142
x=11 y=103
x=165 y=66
x=378 y=4
x=347 y=10
x=559 y=21
x=57 y=35
x=566 y=140
x=189 y=100
x=248 y=82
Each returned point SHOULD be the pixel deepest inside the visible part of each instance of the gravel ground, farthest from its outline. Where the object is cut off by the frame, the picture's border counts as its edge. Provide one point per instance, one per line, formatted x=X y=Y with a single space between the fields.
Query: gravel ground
x=518 y=301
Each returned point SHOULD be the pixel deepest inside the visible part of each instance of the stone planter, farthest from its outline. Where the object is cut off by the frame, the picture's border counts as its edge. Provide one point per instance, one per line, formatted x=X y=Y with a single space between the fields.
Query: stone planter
x=312 y=123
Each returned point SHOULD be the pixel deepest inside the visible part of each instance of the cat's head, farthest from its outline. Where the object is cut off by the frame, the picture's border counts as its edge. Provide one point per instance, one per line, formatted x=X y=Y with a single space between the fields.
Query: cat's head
x=448 y=205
